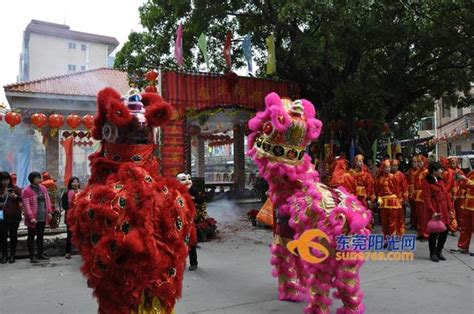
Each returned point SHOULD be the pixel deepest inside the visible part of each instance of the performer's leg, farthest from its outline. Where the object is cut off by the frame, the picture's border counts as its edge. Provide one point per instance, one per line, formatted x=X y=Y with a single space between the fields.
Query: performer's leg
x=393 y=220
x=319 y=286
x=285 y=271
x=401 y=221
x=413 y=222
x=467 y=218
x=384 y=220
x=348 y=287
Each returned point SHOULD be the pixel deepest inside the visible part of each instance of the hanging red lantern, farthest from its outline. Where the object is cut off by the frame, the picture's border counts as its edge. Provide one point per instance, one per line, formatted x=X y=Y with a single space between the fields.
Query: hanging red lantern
x=74 y=121
x=88 y=121
x=39 y=120
x=151 y=75
x=13 y=119
x=56 y=121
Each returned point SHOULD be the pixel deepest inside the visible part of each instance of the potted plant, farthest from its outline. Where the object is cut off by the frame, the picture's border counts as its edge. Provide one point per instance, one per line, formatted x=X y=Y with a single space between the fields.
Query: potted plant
x=252 y=216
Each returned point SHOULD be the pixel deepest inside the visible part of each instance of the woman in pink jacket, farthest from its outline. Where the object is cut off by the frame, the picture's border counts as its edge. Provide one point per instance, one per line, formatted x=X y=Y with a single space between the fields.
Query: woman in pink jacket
x=37 y=206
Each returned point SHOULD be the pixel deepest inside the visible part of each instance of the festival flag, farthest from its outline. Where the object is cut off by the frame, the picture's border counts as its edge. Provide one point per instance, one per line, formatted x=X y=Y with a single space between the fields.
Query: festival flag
x=247 y=47
x=227 y=50
x=398 y=149
x=271 y=59
x=202 y=44
x=389 y=148
x=23 y=167
x=374 y=150
x=178 y=46
x=68 y=145
x=352 y=150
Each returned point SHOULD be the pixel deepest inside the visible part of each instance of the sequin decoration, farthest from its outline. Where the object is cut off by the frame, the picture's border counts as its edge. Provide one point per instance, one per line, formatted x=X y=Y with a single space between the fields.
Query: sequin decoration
x=148 y=179
x=172 y=272
x=122 y=202
x=90 y=213
x=180 y=201
x=136 y=158
x=165 y=190
x=125 y=227
x=101 y=265
x=179 y=224
x=94 y=238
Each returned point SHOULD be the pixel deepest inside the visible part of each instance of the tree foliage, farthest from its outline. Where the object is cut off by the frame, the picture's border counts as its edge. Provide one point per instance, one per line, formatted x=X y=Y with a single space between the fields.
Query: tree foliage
x=381 y=60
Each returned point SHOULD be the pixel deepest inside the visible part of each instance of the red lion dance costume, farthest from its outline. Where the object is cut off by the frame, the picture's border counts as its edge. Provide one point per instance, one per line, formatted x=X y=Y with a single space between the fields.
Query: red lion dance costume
x=130 y=225
x=277 y=144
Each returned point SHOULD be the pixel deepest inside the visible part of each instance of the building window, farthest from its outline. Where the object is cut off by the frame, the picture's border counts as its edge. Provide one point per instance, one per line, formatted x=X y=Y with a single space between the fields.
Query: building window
x=458 y=150
x=446 y=107
x=72 y=45
x=83 y=47
x=83 y=67
x=71 y=68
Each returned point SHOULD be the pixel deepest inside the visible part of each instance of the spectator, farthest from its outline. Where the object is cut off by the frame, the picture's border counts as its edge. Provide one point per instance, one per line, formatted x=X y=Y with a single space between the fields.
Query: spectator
x=437 y=205
x=38 y=212
x=67 y=202
x=11 y=206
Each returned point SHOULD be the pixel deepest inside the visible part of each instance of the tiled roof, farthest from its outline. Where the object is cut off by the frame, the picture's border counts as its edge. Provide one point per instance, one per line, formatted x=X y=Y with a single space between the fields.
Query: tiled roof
x=86 y=83
x=58 y=30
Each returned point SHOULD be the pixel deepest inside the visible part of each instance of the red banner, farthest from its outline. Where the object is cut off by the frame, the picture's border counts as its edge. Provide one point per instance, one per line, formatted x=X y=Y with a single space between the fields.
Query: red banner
x=202 y=91
x=68 y=145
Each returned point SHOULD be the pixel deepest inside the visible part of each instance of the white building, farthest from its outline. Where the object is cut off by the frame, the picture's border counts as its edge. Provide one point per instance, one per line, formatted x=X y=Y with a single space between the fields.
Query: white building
x=51 y=49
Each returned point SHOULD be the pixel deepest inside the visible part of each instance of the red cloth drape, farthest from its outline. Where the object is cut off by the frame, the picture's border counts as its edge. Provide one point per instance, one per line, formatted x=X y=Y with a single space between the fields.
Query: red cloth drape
x=68 y=145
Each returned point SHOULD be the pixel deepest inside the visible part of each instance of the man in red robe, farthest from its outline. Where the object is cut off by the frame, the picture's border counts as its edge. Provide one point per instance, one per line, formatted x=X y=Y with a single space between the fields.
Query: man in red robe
x=386 y=187
x=402 y=193
x=411 y=178
x=451 y=171
x=466 y=212
x=364 y=189
x=421 y=217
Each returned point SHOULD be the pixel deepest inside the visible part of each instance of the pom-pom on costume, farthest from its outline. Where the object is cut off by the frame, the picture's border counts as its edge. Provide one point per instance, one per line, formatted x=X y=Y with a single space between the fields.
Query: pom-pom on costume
x=277 y=145
x=131 y=225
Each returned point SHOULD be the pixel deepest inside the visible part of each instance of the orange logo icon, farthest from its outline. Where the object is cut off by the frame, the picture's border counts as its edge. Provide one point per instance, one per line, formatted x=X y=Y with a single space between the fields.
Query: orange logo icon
x=305 y=242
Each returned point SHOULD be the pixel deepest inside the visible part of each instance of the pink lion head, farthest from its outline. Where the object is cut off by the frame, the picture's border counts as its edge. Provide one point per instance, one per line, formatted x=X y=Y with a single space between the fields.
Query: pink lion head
x=283 y=130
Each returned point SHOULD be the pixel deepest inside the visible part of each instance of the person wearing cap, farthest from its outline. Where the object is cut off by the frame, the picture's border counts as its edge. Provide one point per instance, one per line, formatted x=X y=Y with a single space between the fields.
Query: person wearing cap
x=466 y=225
x=364 y=189
x=437 y=203
x=386 y=187
x=402 y=193
x=38 y=213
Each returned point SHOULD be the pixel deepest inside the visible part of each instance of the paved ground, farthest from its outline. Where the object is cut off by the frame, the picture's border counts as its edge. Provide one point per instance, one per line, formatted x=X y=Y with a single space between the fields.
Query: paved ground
x=234 y=277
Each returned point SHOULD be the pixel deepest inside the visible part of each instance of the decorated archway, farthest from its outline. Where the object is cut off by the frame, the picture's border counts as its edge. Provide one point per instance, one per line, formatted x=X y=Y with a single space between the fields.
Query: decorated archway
x=191 y=93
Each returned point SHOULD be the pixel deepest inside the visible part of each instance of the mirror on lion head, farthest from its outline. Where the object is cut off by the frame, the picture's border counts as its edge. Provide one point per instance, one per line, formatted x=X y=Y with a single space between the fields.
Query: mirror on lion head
x=283 y=130
x=130 y=119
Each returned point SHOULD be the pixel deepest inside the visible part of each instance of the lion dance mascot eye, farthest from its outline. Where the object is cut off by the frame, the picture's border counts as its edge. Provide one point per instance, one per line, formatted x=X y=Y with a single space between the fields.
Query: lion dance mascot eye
x=130 y=225
x=309 y=215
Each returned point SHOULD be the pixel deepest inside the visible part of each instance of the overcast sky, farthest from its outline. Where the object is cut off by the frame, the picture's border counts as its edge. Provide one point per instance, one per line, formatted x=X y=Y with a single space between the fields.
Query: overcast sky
x=114 y=18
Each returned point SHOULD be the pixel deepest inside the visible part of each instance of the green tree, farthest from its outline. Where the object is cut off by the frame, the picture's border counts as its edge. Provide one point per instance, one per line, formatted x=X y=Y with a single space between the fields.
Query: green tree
x=379 y=60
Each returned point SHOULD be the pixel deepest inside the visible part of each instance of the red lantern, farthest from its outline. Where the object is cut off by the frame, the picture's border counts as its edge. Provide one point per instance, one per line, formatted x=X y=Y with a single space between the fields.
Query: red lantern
x=39 y=120
x=151 y=75
x=74 y=121
x=13 y=119
x=56 y=121
x=88 y=121
x=151 y=89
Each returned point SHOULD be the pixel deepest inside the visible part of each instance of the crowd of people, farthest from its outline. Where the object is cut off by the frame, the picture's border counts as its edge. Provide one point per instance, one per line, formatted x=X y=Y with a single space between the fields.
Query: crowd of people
x=37 y=204
x=439 y=197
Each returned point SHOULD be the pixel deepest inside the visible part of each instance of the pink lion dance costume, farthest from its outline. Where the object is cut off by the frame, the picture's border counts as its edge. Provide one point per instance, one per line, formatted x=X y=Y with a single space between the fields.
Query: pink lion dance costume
x=277 y=144
x=130 y=225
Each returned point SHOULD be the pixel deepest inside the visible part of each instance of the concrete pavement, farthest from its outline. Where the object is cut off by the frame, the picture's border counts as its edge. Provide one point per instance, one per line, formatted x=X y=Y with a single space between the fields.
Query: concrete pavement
x=234 y=277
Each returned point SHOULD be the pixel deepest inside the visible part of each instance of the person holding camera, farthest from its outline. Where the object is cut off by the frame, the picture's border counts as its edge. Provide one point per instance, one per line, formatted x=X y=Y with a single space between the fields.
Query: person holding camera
x=10 y=216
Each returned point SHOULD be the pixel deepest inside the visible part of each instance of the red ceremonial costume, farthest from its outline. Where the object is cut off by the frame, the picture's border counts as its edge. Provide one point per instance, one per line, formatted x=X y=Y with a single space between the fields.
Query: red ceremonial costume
x=467 y=213
x=131 y=225
x=411 y=178
x=364 y=189
x=341 y=177
x=388 y=200
x=402 y=184
x=451 y=171
x=421 y=218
